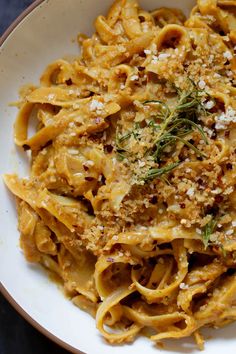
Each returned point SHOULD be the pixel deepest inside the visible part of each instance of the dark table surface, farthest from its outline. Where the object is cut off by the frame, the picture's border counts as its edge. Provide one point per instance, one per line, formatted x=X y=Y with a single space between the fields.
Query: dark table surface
x=16 y=335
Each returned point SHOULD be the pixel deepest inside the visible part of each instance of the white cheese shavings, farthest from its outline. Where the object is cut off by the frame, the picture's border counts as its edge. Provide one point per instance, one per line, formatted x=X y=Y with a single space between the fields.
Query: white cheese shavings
x=225 y=118
x=163 y=56
x=209 y=104
x=141 y=163
x=228 y=55
x=229 y=190
x=183 y=286
x=183 y=221
x=134 y=78
x=154 y=59
x=190 y=192
x=89 y=163
x=208 y=131
x=160 y=57
x=201 y=84
x=96 y=105
x=216 y=191
x=51 y=96
x=229 y=232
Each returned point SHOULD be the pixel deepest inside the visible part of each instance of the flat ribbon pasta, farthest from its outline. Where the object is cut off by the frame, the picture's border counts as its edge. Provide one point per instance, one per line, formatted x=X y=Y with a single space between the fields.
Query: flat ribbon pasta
x=130 y=201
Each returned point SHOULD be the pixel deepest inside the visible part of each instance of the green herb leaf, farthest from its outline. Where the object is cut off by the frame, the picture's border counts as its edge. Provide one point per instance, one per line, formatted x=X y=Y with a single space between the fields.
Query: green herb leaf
x=166 y=127
x=208 y=230
x=159 y=172
x=191 y=146
x=224 y=252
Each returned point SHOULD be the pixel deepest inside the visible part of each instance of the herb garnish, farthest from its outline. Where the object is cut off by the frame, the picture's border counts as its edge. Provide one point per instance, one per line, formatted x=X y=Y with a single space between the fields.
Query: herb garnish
x=208 y=230
x=167 y=127
x=158 y=172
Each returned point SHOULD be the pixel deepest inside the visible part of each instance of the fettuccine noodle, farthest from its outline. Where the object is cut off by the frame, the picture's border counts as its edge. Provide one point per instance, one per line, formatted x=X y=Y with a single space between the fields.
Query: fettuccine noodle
x=131 y=197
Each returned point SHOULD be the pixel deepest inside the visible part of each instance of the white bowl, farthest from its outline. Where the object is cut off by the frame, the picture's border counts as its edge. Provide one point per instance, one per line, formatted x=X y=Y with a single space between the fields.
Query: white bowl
x=42 y=34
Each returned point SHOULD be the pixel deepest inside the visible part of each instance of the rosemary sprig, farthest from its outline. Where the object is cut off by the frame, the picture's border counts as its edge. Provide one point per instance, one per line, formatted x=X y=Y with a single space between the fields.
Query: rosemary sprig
x=158 y=172
x=224 y=252
x=182 y=118
x=208 y=230
x=125 y=137
x=164 y=111
x=134 y=132
x=193 y=125
x=169 y=125
x=191 y=146
x=120 y=149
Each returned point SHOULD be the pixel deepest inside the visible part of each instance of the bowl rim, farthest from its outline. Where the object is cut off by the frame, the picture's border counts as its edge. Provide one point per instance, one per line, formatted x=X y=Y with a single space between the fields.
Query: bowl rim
x=18 y=20
x=10 y=299
x=3 y=290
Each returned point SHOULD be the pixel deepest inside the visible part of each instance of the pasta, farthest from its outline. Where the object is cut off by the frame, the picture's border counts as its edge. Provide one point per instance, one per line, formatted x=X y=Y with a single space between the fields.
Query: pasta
x=131 y=197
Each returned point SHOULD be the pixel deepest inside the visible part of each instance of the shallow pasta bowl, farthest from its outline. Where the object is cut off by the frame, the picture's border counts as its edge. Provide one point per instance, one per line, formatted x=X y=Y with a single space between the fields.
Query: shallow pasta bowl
x=45 y=32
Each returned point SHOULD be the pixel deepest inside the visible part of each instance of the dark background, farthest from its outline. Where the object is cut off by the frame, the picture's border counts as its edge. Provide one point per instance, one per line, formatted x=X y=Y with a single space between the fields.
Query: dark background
x=16 y=335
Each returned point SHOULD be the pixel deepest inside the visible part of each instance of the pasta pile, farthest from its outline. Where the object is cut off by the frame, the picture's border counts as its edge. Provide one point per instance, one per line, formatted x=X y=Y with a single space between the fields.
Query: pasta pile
x=131 y=197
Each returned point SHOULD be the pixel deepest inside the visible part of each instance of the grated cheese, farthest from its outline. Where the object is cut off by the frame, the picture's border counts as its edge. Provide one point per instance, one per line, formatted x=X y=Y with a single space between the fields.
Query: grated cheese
x=228 y=55
x=96 y=105
x=201 y=84
x=190 y=192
